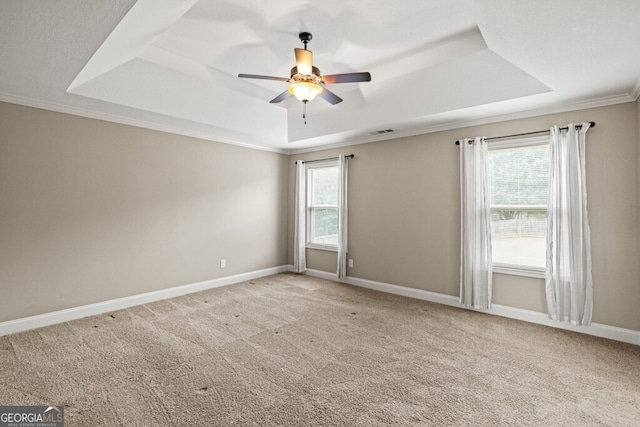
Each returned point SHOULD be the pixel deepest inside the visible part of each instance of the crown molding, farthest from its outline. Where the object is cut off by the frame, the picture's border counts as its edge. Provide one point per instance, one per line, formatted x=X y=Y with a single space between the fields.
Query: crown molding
x=459 y=124
x=98 y=115
x=351 y=141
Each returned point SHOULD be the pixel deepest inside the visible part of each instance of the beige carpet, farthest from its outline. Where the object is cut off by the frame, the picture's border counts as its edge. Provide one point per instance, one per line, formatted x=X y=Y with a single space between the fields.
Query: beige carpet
x=298 y=351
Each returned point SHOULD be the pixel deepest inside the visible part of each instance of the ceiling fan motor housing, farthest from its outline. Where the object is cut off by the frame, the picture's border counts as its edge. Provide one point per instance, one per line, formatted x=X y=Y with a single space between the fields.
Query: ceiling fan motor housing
x=314 y=77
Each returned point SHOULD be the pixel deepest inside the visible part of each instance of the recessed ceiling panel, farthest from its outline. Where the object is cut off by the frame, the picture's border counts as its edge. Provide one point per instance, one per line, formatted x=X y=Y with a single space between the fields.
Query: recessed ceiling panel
x=477 y=79
x=144 y=85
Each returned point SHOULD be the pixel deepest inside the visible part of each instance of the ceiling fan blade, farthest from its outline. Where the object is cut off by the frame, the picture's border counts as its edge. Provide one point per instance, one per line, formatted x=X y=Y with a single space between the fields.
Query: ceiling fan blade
x=284 y=95
x=256 y=76
x=329 y=96
x=346 y=78
x=304 y=61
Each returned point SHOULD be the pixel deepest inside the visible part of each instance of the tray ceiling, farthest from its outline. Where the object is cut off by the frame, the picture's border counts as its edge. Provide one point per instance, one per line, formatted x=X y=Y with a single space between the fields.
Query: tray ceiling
x=173 y=66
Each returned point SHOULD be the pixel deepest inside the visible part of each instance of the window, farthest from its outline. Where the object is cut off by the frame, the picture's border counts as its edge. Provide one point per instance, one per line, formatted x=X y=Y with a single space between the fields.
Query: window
x=322 y=205
x=518 y=181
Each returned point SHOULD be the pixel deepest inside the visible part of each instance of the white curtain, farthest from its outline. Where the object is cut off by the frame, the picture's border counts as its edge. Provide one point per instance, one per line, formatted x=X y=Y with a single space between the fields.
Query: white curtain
x=300 y=218
x=475 y=243
x=342 y=216
x=568 y=276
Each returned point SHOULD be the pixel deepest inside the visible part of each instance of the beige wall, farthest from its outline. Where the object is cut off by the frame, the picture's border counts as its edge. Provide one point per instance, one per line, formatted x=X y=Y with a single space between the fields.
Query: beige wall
x=92 y=210
x=404 y=212
x=638 y=148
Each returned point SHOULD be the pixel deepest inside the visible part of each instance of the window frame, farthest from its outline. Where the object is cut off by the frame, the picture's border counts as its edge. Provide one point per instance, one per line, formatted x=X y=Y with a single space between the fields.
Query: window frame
x=517 y=269
x=309 y=208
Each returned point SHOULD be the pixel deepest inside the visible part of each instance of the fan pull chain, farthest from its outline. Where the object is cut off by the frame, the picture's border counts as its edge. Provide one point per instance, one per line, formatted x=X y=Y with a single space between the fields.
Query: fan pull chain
x=304 y=111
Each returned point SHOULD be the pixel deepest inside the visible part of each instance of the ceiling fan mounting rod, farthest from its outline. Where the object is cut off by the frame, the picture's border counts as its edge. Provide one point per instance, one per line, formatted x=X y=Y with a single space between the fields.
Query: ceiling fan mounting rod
x=305 y=38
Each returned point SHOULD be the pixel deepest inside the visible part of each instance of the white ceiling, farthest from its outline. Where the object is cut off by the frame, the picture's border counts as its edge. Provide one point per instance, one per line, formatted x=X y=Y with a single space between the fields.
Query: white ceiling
x=435 y=64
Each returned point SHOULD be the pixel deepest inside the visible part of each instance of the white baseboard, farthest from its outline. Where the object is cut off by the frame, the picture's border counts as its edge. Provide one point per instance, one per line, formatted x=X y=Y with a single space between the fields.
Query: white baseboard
x=599 y=330
x=41 y=320
x=20 y=325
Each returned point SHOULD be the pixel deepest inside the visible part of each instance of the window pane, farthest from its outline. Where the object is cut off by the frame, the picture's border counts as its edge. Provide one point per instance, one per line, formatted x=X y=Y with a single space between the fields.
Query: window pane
x=324 y=226
x=324 y=185
x=519 y=176
x=519 y=237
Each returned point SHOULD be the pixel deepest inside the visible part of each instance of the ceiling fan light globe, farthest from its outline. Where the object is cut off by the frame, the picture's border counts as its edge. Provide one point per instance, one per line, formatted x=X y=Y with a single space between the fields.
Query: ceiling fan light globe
x=305 y=91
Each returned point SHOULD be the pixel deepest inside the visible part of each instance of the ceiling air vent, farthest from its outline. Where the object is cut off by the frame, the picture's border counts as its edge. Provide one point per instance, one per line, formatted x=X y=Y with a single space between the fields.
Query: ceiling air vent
x=382 y=131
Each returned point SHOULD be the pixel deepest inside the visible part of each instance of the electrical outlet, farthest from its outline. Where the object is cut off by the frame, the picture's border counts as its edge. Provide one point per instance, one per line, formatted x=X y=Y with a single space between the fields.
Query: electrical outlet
x=223 y=263
x=350 y=263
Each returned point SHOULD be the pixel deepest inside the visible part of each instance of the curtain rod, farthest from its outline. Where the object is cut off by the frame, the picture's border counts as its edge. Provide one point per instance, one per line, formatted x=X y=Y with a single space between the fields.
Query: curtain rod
x=349 y=156
x=591 y=124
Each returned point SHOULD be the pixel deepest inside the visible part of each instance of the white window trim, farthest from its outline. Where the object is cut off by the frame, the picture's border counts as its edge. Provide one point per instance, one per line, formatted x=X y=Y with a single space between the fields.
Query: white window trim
x=310 y=245
x=515 y=269
x=318 y=246
x=519 y=270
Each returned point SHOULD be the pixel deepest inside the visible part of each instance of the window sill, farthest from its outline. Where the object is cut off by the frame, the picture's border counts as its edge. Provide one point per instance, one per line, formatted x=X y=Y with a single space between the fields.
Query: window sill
x=329 y=248
x=515 y=270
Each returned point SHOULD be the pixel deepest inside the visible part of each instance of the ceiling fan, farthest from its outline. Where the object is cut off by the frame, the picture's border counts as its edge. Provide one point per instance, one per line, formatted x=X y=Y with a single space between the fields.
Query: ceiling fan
x=306 y=80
